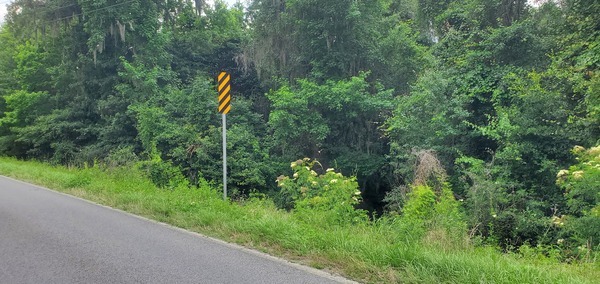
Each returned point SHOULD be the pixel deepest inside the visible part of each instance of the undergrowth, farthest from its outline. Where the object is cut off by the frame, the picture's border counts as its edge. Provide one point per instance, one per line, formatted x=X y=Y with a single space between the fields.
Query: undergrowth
x=389 y=250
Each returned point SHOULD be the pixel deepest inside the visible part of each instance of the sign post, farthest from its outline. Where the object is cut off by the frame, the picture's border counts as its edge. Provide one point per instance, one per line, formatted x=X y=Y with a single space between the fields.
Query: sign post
x=224 y=87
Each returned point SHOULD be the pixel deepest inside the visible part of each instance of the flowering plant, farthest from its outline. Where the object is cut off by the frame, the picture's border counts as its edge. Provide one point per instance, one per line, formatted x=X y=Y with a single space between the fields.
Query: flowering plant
x=581 y=185
x=330 y=193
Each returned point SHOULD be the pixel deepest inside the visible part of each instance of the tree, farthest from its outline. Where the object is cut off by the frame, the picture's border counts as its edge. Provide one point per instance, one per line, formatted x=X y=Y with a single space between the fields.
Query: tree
x=337 y=123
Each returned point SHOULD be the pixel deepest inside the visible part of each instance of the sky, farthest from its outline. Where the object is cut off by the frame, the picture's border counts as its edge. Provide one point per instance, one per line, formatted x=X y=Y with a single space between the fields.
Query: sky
x=3 y=4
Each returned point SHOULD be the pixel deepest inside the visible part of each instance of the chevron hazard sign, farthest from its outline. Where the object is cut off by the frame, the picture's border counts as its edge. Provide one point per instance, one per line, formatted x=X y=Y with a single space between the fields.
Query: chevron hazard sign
x=224 y=87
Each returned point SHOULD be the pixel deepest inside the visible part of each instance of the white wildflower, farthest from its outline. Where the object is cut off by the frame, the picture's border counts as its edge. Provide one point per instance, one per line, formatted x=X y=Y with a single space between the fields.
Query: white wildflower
x=562 y=173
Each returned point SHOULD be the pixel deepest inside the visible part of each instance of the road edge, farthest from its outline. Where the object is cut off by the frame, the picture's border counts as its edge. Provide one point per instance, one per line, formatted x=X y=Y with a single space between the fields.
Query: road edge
x=308 y=269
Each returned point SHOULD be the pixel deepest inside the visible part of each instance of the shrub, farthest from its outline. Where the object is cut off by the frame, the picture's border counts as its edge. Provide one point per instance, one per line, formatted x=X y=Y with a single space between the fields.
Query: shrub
x=581 y=185
x=162 y=173
x=436 y=217
x=123 y=156
x=329 y=197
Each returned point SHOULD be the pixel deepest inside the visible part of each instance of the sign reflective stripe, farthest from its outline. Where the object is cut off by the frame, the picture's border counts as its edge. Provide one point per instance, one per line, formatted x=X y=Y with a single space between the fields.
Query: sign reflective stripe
x=224 y=93
x=223 y=74
x=224 y=104
x=224 y=88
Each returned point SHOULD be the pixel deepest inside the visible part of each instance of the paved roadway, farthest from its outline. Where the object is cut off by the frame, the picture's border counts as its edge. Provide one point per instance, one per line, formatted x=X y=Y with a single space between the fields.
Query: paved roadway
x=49 y=237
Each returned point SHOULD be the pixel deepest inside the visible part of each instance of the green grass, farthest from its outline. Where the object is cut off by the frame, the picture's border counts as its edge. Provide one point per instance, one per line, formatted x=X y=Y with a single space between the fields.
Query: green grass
x=382 y=252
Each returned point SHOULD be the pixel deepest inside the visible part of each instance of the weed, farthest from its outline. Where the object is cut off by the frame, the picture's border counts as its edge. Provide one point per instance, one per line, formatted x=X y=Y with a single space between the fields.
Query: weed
x=388 y=250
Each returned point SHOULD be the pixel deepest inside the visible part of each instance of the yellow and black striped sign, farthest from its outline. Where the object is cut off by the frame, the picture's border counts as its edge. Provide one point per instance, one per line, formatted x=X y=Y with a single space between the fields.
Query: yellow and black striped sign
x=224 y=87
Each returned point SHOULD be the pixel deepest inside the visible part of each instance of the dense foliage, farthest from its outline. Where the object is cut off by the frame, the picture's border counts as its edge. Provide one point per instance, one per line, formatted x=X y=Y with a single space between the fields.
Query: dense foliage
x=469 y=109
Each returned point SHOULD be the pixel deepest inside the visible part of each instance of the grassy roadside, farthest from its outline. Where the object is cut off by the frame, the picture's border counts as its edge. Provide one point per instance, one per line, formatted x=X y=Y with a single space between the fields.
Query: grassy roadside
x=384 y=251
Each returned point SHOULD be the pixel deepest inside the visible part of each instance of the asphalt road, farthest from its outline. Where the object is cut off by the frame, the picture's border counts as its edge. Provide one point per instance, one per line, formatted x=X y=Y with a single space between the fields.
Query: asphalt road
x=49 y=237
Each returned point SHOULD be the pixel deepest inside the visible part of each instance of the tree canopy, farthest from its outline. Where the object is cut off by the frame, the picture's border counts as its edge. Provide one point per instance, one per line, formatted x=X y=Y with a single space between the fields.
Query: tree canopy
x=506 y=96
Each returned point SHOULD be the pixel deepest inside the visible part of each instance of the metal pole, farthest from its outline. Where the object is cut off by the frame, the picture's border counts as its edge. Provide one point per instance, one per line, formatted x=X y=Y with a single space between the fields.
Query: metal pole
x=224 y=156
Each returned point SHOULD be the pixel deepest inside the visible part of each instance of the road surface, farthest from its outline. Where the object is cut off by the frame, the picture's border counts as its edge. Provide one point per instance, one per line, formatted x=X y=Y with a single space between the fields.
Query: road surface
x=49 y=237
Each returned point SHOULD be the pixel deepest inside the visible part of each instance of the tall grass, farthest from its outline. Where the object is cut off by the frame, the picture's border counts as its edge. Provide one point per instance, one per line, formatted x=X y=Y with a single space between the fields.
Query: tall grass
x=384 y=251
